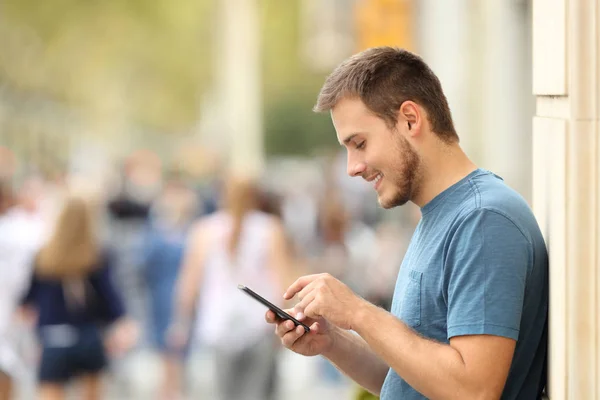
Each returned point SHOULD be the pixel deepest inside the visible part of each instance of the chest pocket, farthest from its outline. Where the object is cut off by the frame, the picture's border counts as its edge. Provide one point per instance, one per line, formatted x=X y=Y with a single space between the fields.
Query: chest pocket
x=410 y=309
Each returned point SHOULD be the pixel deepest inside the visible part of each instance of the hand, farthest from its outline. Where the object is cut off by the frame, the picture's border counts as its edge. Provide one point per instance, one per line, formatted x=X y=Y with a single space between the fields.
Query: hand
x=26 y=316
x=323 y=296
x=317 y=341
x=122 y=337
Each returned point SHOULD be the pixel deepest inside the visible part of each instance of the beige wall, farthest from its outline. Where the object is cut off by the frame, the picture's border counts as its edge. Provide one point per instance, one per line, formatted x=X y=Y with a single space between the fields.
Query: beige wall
x=489 y=85
x=566 y=63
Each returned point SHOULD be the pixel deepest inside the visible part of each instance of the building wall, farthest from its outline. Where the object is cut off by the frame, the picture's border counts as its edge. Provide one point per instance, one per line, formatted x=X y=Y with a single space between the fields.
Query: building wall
x=566 y=62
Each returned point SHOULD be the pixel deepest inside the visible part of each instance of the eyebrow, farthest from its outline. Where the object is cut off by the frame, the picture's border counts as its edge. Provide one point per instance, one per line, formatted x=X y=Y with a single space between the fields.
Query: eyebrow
x=349 y=138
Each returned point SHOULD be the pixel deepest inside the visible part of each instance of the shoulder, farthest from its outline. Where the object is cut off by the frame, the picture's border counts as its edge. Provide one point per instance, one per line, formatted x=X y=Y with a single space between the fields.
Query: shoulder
x=491 y=191
x=492 y=232
x=266 y=224
x=498 y=203
x=205 y=227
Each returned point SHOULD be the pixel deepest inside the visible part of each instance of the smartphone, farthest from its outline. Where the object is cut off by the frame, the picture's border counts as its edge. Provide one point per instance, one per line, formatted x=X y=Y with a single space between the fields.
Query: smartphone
x=278 y=311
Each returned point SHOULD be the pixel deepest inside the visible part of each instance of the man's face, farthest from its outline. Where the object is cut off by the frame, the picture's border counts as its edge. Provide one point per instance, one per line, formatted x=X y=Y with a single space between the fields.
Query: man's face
x=377 y=153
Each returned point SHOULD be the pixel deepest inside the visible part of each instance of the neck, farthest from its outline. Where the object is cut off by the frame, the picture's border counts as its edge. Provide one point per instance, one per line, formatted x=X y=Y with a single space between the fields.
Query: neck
x=441 y=168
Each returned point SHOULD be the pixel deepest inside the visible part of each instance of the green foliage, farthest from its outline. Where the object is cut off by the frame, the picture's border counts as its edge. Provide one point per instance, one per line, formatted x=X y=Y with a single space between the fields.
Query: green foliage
x=150 y=62
x=290 y=88
x=134 y=59
x=291 y=128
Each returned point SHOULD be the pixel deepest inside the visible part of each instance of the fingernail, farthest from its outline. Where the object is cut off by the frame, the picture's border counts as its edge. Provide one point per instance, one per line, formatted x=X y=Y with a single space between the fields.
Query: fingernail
x=300 y=316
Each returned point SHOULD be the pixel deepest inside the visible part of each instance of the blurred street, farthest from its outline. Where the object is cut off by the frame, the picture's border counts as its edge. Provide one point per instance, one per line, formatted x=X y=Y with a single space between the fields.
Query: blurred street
x=137 y=378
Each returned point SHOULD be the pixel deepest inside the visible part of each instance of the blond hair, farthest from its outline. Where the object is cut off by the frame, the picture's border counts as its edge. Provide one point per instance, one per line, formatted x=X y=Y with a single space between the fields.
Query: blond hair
x=241 y=197
x=73 y=249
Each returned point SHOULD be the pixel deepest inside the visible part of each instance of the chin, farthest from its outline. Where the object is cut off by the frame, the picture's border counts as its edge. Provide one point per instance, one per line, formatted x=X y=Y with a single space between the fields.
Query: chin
x=386 y=206
x=391 y=202
x=387 y=203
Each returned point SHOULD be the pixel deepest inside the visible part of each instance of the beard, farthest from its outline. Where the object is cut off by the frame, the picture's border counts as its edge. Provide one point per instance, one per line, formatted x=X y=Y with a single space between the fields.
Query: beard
x=404 y=176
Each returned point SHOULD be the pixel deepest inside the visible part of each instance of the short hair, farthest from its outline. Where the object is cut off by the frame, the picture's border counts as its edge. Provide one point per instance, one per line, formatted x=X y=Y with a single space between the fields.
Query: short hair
x=385 y=77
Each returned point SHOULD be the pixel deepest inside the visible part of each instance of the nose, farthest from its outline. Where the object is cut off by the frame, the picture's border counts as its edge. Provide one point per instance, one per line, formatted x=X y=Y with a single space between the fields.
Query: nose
x=355 y=167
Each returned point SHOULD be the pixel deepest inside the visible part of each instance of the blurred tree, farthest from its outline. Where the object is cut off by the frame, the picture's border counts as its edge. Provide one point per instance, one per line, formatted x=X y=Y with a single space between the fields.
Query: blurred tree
x=293 y=129
x=147 y=64
x=290 y=86
x=143 y=60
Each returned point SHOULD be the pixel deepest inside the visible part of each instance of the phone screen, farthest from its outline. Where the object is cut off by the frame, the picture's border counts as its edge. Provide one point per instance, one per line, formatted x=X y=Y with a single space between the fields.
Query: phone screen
x=278 y=311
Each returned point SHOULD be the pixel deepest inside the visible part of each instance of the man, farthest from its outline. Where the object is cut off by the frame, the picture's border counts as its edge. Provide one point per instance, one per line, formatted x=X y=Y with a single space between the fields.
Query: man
x=469 y=314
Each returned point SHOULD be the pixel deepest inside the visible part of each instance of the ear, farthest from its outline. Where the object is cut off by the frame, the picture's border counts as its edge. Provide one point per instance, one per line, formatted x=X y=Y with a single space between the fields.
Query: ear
x=409 y=118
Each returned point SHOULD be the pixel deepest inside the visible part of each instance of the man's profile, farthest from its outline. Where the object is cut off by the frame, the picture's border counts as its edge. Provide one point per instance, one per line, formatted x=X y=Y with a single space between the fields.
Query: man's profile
x=469 y=314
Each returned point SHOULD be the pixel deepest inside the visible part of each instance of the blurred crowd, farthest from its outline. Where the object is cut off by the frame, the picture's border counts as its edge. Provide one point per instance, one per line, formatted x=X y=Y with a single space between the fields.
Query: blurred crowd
x=93 y=273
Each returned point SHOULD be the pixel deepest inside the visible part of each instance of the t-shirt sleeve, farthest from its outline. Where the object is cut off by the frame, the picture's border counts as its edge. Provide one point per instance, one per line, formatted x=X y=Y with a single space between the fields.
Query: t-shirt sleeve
x=485 y=275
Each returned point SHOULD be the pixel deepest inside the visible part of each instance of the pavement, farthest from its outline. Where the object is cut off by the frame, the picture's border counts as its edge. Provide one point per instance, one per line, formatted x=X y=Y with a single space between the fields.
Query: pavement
x=137 y=377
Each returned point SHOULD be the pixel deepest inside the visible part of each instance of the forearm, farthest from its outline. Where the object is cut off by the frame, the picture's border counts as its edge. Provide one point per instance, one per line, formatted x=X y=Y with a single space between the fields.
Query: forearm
x=185 y=305
x=351 y=354
x=187 y=290
x=434 y=369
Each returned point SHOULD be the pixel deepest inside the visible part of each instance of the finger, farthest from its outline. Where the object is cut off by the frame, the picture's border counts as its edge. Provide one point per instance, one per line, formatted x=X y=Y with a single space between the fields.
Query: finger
x=306 y=290
x=315 y=328
x=284 y=327
x=270 y=317
x=312 y=310
x=273 y=318
x=301 y=306
x=292 y=336
x=299 y=285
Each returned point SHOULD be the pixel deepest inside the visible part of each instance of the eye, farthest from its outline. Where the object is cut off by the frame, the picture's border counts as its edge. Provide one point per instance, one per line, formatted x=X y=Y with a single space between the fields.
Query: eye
x=361 y=145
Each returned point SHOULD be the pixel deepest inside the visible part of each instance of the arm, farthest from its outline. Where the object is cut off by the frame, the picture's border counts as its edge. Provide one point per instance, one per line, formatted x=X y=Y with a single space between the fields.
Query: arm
x=28 y=298
x=484 y=273
x=26 y=311
x=470 y=367
x=349 y=352
x=353 y=356
x=190 y=276
x=147 y=252
x=110 y=299
x=281 y=261
x=123 y=332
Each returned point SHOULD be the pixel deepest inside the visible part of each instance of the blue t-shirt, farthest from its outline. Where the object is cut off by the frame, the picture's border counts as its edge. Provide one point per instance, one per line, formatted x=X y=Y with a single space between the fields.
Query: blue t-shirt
x=477 y=264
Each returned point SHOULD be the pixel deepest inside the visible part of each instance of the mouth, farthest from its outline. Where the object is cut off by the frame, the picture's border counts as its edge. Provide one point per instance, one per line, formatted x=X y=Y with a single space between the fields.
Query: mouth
x=377 y=180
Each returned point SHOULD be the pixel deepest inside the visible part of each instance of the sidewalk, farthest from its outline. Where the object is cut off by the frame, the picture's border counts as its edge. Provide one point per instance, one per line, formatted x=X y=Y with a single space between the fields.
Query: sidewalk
x=137 y=378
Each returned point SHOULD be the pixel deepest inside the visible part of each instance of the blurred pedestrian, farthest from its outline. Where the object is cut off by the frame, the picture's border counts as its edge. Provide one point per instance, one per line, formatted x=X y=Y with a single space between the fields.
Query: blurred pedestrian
x=23 y=227
x=236 y=245
x=79 y=312
x=8 y=261
x=171 y=216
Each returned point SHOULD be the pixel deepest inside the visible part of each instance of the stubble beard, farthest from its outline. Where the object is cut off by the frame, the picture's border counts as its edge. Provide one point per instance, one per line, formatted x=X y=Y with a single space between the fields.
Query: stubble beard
x=406 y=175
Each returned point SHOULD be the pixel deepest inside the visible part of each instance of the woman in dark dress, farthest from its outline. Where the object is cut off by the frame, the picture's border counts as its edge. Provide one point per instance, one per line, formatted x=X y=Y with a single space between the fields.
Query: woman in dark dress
x=80 y=316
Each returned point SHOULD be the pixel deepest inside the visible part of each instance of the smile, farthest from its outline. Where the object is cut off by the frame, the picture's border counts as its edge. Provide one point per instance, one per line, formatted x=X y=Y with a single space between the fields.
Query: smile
x=377 y=181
